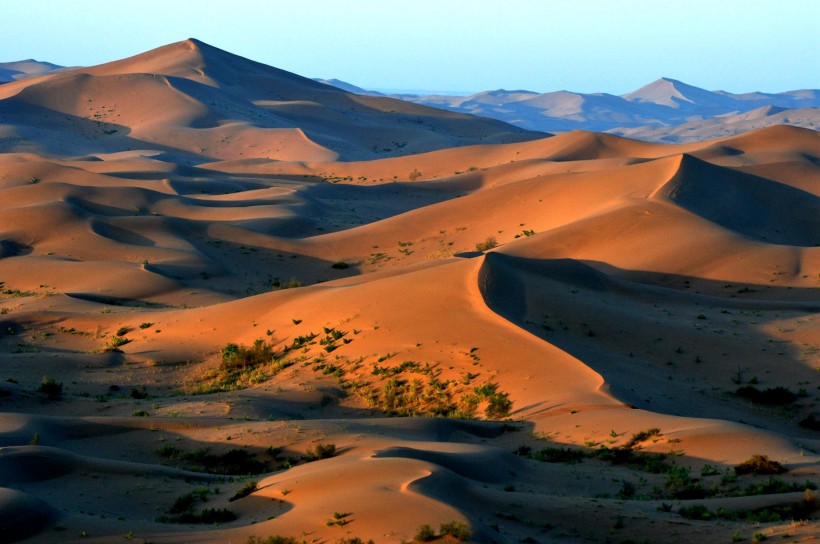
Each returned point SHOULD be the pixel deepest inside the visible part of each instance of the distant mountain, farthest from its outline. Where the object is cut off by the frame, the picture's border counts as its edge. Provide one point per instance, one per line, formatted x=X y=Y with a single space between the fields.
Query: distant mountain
x=728 y=125
x=653 y=112
x=11 y=71
x=349 y=87
x=218 y=105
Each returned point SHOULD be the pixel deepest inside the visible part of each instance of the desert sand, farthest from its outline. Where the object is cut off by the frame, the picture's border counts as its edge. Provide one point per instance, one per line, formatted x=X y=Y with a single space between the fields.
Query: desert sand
x=370 y=315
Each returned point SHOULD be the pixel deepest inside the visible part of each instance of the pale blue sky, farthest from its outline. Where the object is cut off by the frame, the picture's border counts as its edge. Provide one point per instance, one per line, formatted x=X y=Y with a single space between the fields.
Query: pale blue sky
x=454 y=45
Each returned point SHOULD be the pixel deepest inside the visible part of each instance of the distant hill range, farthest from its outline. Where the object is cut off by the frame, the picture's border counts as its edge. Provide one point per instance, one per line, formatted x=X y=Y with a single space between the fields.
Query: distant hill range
x=12 y=71
x=217 y=105
x=666 y=110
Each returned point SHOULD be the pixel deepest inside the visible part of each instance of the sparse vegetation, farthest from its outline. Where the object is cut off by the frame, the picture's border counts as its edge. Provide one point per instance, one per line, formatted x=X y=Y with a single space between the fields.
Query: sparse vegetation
x=274 y=539
x=51 y=388
x=457 y=529
x=234 y=461
x=425 y=533
x=321 y=451
x=487 y=244
x=774 y=396
x=242 y=366
x=182 y=510
x=759 y=464
x=800 y=510
x=244 y=491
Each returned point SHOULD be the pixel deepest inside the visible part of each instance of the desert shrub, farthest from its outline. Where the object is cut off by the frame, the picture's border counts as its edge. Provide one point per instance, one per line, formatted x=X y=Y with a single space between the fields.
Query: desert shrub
x=182 y=510
x=321 y=451
x=648 y=462
x=680 y=484
x=425 y=533
x=487 y=244
x=234 y=461
x=273 y=539
x=340 y=265
x=774 y=396
x=244 y=491
x=759 y=464
x=627 y=490
x=122 y=331
x=145 y=325
x=235 y=356
x=51 y=388
x=774 y=485
x=696 y=511
x=140 y=413
x=115 y=343
x=242 y=366
x=810 y=422
x=499 y=404
x=210 y=516
x=641 y=436
x=183 y=503
x=456 y=529
x=139 y=393
x=559 y=455
x=353 y=540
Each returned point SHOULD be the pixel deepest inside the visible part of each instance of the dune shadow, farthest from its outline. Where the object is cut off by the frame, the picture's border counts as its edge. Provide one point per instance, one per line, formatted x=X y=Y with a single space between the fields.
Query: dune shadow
x=637 y=327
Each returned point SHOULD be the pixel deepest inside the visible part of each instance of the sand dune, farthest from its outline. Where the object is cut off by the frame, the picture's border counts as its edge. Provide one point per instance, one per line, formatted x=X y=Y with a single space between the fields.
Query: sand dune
x=440 y=315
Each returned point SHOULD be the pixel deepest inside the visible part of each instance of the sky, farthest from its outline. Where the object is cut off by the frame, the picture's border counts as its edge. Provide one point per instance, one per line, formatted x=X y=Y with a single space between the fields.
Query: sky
x=456 y=46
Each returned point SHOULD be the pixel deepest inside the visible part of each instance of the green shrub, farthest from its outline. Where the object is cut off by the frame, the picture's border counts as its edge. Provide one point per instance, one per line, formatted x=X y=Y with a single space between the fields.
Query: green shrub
x=759 y=464
x=456 y=529
x=774 y=396
x=559 y=455
x=425 y=533
x=696 y=511
x=273 y=539
x=244 y=491
x=639 y=437
x=487 y=244
x=139 y=393
x=51 y=388
x=321 y=451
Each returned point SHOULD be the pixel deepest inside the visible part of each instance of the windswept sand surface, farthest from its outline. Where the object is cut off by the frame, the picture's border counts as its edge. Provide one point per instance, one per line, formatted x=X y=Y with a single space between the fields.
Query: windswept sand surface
x=632 y=286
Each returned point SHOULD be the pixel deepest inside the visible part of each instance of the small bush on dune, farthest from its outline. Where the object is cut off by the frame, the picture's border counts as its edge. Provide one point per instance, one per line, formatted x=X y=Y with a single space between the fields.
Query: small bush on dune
x=425 y=533
x=456 y=529
x=487 y=244
x=759 y=464
x=51 y=388
x=273 y=539
x=244 y=491
x=559 y=455
x=774 y=396
x=321 y=451
x=236 y=356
